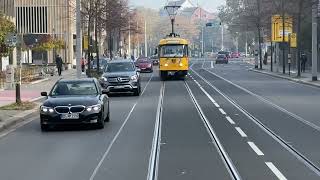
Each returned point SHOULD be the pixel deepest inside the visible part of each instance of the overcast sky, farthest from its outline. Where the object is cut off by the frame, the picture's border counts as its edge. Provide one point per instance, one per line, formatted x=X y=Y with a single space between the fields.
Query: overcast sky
x=210 y=5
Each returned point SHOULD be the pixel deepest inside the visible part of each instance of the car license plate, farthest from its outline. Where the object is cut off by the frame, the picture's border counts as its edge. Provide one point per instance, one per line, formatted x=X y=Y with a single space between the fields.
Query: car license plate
x=119 y=87
x=70 y=116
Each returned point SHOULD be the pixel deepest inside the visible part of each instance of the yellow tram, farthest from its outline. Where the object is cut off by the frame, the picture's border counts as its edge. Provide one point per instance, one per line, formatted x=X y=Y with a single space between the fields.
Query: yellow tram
x=173 y=57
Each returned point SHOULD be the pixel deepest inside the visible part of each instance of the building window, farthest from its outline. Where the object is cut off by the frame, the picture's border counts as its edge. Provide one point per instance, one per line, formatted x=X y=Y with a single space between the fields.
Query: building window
x=32 y=20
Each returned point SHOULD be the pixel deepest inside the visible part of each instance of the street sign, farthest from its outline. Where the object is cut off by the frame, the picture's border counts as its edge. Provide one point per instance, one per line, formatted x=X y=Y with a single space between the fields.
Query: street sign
x=11 y=40
x=277 y=28
x=293 y=40
x=85 y=43
x=213 y=24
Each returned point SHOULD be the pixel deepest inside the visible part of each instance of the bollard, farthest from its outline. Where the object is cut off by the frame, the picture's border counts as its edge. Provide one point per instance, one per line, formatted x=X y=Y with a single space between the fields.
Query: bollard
x=18 y=94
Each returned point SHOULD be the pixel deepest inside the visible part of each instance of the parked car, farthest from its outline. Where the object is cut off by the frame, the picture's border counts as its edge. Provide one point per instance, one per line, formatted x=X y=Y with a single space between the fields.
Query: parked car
x=222 y=58
x=145 y=65
x=235 y=55
x=121 y=76
x=70 y=102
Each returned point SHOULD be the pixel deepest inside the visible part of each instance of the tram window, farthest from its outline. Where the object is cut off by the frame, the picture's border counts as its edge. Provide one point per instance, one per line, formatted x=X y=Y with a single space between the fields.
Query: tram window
x=173 y=51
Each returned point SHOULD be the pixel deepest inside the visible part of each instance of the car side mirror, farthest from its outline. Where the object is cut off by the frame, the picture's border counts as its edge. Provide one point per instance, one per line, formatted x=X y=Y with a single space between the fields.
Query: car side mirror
x=138 y=70
x=44 y=94
x=105 y=91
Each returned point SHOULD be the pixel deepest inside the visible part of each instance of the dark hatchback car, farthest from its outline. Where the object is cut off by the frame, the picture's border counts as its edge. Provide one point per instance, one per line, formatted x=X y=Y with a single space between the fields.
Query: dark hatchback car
x=145 y=65
x=222 y=58
x=155 y=59
x=73 y=102
x=121 y=76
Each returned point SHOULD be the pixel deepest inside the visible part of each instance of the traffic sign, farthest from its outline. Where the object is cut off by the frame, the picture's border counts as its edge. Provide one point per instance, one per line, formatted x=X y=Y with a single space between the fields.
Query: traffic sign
x=277 y=28
x=293 y=40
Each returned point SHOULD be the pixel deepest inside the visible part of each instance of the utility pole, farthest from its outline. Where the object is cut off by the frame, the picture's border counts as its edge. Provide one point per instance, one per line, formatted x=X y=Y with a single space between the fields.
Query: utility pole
x=145 y=39
x=202 y=42
x=315 y=41
x=283 y=38
x=222 y=38
x=129 y=51
x=79 y=37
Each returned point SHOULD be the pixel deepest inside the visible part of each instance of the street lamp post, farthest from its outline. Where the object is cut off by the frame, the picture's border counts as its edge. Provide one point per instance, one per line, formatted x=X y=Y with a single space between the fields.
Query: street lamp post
x=315 y=41
x=172 y=12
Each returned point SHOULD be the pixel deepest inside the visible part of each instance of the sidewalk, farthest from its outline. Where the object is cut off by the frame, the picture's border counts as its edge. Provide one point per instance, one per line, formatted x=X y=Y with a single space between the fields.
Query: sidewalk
x=306 y=78
x=30 y=92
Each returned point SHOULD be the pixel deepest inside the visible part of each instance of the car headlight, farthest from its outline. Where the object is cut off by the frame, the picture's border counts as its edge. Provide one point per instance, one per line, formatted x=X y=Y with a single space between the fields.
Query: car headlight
x=149 y=65
x=134 y=78
x=95 y=108
x=104 y=79
x=47 y=109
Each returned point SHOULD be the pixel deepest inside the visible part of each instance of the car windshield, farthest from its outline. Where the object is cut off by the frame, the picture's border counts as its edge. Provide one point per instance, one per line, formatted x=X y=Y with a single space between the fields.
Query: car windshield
x=143 y=60
x=120 y=67
x=74 y=88
x=173 y=51
x=221 y=56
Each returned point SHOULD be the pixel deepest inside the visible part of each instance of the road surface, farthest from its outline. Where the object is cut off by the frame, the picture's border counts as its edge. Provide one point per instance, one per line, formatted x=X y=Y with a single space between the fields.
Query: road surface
x=223 y=122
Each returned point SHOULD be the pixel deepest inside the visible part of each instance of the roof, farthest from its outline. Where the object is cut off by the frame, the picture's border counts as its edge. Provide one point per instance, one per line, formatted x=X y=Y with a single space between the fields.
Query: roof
x=120 y=61
x=173 y=41
x=176 y=3
x=77 y=80
x=188 y=11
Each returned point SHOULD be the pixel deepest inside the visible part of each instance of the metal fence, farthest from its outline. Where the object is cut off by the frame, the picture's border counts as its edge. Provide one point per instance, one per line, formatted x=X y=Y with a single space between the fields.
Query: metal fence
x=29 y=73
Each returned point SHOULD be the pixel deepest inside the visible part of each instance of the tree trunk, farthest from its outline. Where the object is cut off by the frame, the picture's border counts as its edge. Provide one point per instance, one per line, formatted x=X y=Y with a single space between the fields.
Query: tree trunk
x=110 y=45
x=0 y=63
x=96 y=44
x=89 y=46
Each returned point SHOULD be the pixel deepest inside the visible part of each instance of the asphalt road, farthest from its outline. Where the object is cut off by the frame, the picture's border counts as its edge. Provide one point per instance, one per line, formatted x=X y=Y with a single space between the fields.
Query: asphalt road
x=222 y=122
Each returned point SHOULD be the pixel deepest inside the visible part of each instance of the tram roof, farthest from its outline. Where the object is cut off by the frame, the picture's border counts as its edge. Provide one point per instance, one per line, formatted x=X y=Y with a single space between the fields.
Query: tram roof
x=173 y=40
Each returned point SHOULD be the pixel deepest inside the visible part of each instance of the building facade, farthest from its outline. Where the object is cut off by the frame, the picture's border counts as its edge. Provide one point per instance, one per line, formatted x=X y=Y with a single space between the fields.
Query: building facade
x=36 y=19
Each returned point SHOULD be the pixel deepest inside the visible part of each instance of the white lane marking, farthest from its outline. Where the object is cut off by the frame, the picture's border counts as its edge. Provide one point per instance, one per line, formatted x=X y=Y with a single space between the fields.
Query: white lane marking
x=267 y=130
x=212 y=65
x=241 y=132
x=111 y=144
x=155 y=150
x=230 y=120
x=222 y=111
x=217 y=105
x=118 y=133
x=255 y=149
x=208 y=95
x=276 y=171
x=144 y=89
x=204 y=60
x=216 y=141
x=270 y=103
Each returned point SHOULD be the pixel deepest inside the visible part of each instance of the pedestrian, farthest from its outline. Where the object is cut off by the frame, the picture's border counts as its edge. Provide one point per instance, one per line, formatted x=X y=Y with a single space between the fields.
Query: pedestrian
x=83 y=64
x=304 y=60
x=265 y=59
x=59 y=63
x=132 y=57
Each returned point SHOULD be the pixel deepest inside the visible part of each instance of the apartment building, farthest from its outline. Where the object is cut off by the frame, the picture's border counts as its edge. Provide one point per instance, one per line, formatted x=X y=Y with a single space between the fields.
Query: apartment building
x=35 y=19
